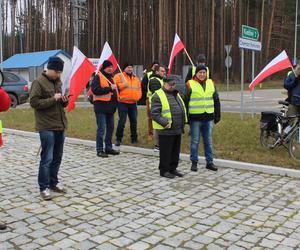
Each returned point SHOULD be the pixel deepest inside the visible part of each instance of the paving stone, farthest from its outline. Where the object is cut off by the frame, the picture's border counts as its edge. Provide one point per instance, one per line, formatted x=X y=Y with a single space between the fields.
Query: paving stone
x=135 y=209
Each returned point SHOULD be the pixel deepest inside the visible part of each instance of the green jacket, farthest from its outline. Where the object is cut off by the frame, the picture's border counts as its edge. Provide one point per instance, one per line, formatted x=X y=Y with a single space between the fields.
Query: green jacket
x=49 y=113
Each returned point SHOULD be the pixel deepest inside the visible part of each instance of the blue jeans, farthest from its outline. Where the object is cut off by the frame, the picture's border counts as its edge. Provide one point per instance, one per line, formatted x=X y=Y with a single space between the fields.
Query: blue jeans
x=52 y=143
x=123 y=110
x=104 y=121
x=204 y=128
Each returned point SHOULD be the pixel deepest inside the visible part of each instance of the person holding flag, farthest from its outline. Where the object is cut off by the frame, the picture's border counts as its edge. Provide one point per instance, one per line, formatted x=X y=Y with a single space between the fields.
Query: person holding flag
x=4 y=106
x=130 y=92
x=105 y=100
x=145 y=82
x=200 y=60
x=156 y=83
x=50 y=121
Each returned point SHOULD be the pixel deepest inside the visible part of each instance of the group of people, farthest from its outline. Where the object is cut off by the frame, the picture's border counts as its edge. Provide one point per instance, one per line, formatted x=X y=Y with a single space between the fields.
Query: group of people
x=167 y=111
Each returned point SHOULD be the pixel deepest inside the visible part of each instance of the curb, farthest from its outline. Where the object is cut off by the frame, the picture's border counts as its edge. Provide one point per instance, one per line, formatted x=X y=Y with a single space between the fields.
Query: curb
x=185 y=157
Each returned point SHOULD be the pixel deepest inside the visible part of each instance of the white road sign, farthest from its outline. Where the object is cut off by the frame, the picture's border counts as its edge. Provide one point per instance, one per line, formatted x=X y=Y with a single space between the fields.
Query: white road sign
x=249 y=44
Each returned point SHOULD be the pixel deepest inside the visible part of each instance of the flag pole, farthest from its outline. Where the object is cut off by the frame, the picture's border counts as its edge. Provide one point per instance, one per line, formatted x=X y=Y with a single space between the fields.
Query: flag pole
x=188 y=56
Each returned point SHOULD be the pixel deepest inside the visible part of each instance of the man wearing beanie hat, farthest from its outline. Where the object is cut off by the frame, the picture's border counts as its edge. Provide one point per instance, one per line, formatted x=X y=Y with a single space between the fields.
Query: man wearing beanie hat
x=130 y=92
x=200 y=60
x=203 y=105
x=50 y=121
x=105 y=100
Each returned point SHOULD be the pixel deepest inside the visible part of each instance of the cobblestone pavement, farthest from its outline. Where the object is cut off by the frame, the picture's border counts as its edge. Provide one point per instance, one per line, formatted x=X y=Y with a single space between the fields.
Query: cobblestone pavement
x=121 y=203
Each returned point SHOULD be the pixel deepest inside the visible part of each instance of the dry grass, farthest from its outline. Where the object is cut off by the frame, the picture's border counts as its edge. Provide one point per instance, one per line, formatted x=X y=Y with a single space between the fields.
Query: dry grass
x=233 y=139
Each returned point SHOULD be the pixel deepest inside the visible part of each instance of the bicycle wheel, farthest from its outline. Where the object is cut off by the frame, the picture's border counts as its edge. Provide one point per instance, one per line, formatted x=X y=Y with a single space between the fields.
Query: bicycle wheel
x=294 y=145
x=267 y=138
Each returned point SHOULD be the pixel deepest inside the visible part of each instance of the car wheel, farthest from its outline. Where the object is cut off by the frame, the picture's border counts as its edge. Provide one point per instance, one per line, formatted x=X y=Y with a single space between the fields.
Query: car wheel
x=14 y=100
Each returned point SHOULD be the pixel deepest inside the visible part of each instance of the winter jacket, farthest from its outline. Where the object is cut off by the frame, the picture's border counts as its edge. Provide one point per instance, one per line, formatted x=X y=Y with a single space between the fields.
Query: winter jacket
x=177 y=112
x=103 y=106
x=4 y=101
x=292 y=85
x=49 y=113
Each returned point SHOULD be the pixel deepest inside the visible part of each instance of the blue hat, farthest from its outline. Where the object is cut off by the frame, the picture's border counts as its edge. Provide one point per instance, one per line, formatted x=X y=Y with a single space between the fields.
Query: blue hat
x=55 y=63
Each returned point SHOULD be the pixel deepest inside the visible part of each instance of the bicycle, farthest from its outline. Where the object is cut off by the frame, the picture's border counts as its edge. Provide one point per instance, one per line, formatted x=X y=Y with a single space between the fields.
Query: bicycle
x=278 y=129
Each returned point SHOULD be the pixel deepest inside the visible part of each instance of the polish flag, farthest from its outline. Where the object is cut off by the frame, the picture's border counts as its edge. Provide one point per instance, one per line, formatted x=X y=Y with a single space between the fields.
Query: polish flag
x=81 y=72
x=177 y=47
x=279 y=63
x=107 y=54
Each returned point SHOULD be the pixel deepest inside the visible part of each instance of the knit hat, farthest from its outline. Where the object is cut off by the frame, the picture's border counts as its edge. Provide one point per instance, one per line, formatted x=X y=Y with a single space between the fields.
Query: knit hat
x=106 y=64
x=55 y=63
x=170 y=80
x=200 y=67
x=126 y=65
x=201 y=58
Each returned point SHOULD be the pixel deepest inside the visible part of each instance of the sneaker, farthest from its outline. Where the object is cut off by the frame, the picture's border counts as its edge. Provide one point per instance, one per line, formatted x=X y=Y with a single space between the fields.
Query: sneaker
x=46 y=195
x=118 y=143
x=58 y=189
x=156 y=148
x=102 y=154
x=112 y=152
x=134 y=141
x=2 y=226
x=168 y=175
x=211 y=167
x=194 y=166
x=176 y=173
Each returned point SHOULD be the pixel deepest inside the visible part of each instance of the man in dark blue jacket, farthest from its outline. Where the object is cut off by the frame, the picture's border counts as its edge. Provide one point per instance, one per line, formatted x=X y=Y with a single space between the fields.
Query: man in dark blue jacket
x=292 y=85
x=105 y=96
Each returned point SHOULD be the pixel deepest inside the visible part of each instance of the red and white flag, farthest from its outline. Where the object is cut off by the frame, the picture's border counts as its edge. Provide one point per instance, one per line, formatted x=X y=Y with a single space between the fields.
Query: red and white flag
x=81 y=72
x=177 y=47
x=279 y=63
x=107 y=54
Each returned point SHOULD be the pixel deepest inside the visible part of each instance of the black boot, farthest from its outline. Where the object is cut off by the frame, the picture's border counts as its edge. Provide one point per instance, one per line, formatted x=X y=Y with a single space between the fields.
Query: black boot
x=2 y=226
x=112 y=152
x=102 y=154
x=211 y=167
x=194 y=166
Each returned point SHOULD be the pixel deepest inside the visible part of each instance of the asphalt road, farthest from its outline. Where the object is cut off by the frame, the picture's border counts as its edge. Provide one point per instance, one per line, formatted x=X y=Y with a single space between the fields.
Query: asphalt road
x=264 y=100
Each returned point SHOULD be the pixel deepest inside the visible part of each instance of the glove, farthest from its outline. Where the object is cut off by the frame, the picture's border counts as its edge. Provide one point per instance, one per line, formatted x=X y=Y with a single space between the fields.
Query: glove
x=217 y=119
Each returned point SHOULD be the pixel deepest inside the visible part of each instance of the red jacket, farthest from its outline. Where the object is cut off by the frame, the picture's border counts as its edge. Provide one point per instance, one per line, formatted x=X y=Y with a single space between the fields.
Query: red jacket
x=4 y=101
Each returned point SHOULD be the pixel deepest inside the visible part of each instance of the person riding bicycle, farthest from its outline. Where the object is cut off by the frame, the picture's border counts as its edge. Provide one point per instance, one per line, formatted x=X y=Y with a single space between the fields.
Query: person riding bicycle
x=292 y=85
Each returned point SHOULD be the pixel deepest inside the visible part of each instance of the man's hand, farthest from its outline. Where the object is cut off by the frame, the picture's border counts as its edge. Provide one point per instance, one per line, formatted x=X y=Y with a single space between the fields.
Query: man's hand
x=297 y=70
x=168 y=125
x=113 y=86
x=57 y=96
x=65 y=98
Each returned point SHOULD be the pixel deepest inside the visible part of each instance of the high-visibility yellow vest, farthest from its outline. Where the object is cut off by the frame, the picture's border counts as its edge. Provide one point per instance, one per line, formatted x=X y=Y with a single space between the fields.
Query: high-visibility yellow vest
x=149 y=74
x=149 y=93
x=201 y=101
x=1 y=128
x=194 y=71
x=165 y=111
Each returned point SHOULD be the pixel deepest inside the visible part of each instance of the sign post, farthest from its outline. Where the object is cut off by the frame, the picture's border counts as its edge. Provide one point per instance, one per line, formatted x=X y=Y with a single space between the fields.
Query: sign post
x=228 y=63
x=248 y=41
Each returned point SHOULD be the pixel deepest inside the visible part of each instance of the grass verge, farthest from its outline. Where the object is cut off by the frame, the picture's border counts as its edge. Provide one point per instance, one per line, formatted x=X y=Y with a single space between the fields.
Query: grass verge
x=234 y=139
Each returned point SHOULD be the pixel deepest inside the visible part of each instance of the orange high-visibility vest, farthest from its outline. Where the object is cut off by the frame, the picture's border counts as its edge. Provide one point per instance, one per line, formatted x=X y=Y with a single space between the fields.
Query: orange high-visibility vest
x=129 y=88
x=103 y=83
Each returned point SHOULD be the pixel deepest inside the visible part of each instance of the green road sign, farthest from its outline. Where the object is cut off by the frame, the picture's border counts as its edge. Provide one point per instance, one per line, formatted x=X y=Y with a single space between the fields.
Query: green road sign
x=250 y=32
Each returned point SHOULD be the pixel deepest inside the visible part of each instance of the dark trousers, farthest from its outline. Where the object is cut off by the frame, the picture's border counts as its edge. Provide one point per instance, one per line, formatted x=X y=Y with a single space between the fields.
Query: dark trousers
x=104 y=122
x=169 y=150
x=52 y=143
x=125 y=109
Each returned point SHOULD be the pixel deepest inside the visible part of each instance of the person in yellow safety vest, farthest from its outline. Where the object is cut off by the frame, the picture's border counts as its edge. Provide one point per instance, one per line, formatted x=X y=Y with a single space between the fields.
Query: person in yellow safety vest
x=129 y=92
x=169 y=116
x=201 y=60
x=145 y=82
x=203 y=105
x=155 y=83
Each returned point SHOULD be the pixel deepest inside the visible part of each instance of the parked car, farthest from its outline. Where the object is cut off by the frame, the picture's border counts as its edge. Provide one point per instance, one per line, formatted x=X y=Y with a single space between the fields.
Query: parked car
x=16 y=87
